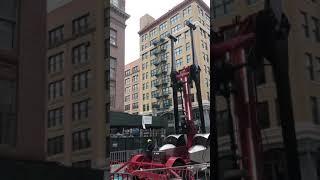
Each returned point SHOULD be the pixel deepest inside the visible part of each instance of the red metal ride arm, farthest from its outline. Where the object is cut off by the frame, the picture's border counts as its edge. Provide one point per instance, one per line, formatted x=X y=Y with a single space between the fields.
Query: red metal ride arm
x=184 y=78
x=248 y=135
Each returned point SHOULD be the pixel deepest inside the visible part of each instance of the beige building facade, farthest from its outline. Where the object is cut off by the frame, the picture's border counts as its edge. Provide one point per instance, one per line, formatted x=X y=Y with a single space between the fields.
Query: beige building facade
x=83 y=61
x=156 y=59
x=132 y=88
x=304 y=62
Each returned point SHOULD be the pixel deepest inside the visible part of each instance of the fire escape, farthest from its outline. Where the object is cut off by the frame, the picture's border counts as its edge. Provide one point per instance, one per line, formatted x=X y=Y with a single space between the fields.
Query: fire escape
x=162 y=82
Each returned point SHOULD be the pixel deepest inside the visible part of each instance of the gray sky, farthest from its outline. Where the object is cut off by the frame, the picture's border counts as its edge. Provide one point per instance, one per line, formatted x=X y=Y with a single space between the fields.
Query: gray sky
x=136 y=9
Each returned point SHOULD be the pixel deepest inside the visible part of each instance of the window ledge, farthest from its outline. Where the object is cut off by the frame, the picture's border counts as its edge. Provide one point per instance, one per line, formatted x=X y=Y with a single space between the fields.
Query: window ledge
x=55 y=74
x=79 y=152
x=80 y=93
x=81 y=65
x=55 y=128
x=80 y=122
x=55 y=101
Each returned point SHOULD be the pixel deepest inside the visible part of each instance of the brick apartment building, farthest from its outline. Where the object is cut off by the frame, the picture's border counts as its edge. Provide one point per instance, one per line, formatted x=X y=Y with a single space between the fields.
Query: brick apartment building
x=154 y=70
x=22 y=51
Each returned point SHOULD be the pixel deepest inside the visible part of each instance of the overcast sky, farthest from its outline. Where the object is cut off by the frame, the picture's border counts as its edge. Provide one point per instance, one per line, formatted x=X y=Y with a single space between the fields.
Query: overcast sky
x=136 y=9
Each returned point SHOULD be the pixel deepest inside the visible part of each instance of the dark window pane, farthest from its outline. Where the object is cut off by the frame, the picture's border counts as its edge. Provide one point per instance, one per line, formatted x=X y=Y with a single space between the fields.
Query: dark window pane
x=8 y=9
x=6 y=34
x=263 y=115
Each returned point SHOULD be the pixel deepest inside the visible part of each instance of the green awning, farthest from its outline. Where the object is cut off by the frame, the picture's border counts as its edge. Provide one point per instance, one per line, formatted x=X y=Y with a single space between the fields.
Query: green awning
x=120 y=119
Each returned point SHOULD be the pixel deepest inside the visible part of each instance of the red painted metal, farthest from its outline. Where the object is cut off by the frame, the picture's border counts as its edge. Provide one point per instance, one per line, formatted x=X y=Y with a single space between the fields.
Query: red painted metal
x=244 y=101
x=183 y=76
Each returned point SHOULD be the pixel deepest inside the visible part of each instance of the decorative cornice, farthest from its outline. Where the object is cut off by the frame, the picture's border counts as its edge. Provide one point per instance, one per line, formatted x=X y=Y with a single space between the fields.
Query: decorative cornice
x=120 y=12
x=173 y=11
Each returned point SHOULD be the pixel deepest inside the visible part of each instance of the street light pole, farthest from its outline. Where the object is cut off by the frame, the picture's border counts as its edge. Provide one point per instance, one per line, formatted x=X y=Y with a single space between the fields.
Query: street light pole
x=195 y=75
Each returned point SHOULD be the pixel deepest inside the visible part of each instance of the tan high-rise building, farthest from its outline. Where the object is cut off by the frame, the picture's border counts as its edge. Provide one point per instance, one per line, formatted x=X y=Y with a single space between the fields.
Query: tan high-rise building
x=84 y=67
x=304 y=61
x=156 y=68
x=133 y=88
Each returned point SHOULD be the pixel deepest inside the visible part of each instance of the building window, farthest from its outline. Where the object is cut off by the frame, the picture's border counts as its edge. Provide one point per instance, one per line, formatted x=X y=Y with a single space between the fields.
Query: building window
x=135 y=105
x=305 y=24
x=153 y=32
x=144 y=37
x=55 y=63
x=135 y=88
x=187 y=34
x=127 y=81
x=222 y=123
x=135 y=69
x=82 y=164
x=135 y=96
x=187 y=11
x=81 y=140
x=188 y=46
x=80 y=81
x=175 y=29
x=56 y=35
x=80 y=24
x=8 y=13
x=188 y=58
x=263 y=115
x=178 y=39
x=167 y=103
x=113 y=37
x=179 y=62
x=309 y=66
x=55 y=145
x=127 y=107
x=127 y=90
x=55 y=117
x=55 y=89
x=127 y=73
x=80 y=54
x=192 y=97
x=144 y=56
x=113 y=68
x=127 y=99
x=80 y=110
x=163 y=26
x=164 y=35
x=175 y=19
x=113 y=94
x=8 y=110
x=315 y=109
x=222 y=7
x=316 y=29
x=207 y=82
x=135 y=78
x=151 y=43
x=115 y=3
x=178 y=51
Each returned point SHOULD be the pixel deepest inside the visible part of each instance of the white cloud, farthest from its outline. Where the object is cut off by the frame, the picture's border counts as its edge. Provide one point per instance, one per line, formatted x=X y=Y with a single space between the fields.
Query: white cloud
x=136 y=9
